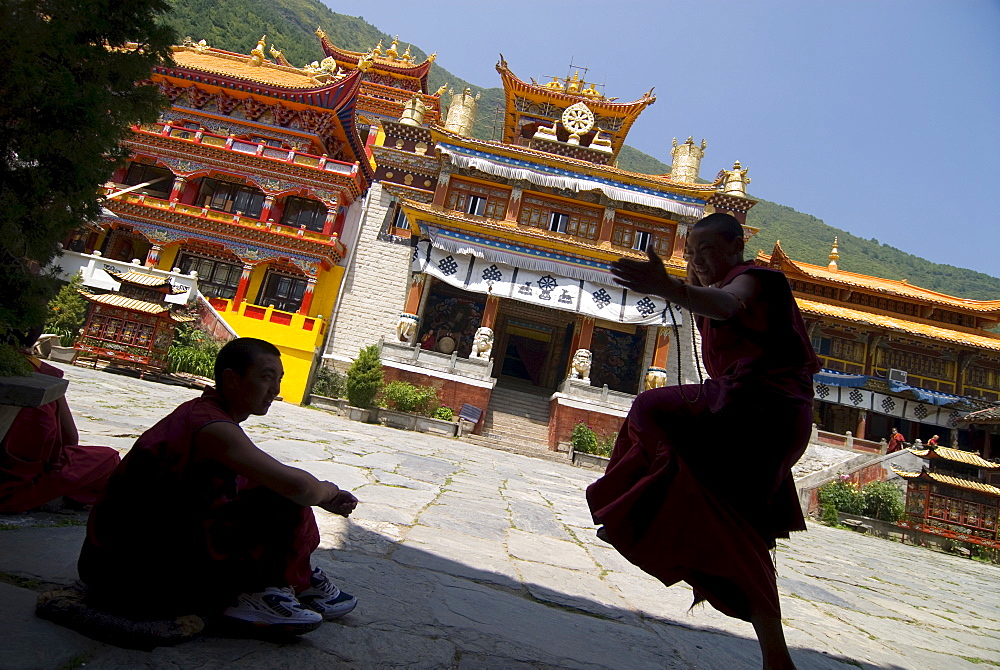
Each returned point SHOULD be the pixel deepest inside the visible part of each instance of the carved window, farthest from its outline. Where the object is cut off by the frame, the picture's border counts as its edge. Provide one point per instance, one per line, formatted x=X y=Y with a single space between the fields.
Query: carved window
x=231 y=197
x=641 y=240
x=559 y=217
x=304 y=212
x=162 y=178
x=477 y=199
x=283 y=291
x=216 y=279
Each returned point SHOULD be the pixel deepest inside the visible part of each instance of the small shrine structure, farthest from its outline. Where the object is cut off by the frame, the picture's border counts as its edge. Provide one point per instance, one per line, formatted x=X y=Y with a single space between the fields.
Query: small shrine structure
x=134 y=326
x=949 y=497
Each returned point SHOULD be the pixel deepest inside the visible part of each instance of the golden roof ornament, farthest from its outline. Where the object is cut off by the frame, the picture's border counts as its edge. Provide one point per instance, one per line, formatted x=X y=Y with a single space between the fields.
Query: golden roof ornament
x=834 y=257
x=406 y=55
x=441 y=90
x=573 y=85
x=393 y=51
x=577 y=120
x=279 y=57
x=413 y=112
x=736 y=181
x=377 y=51
x=432 y=57
x=462 y=112
x=686 y=161
x=555 y=85
x=366 y=61
x=257 y=54
x=320 y=33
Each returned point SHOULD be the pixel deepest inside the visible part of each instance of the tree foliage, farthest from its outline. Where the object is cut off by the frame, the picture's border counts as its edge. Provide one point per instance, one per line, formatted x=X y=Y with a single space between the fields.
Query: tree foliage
x=69 y=96
x=364 y=377
x=68 y=310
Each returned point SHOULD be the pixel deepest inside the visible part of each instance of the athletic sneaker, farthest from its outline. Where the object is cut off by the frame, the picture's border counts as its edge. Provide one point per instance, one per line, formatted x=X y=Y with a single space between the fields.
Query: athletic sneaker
x=325 y=598
x=274 y=606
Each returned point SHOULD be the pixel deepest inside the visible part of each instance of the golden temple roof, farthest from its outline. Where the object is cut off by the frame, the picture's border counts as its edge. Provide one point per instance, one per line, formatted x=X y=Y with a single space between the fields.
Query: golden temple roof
x=387 y=60
x=116 y=300
x=956 y=455
x=229 y=64
x=958 y=482
x=897 y=324
x=903 y=289
x=143 y=279
x=563 y=96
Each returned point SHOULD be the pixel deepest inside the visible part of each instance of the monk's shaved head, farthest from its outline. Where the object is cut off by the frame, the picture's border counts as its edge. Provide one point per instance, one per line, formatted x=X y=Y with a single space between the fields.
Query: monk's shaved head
x=724 y=225
x=239 y=354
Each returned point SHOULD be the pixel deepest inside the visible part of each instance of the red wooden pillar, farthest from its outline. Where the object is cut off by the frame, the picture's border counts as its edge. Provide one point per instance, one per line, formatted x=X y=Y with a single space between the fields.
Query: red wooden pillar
x=662 y=350
x=307 y=297
x=441 y=192
x=862 y=426
x=514 y=205
x=607 y=224
x=586 y=333
x=416 y=291
x=265 y=212
x=331 y=219
x=490 y=312
x=680 y=239
x=178 y=188
x=243 y=286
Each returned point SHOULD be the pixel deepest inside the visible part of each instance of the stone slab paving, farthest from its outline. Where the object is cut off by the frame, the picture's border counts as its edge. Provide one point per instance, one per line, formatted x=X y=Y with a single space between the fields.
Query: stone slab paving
x=468 y=558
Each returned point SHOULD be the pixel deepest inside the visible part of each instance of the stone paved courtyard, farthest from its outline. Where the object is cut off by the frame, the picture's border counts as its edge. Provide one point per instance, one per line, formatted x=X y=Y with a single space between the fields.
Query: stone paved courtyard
x=465 y=557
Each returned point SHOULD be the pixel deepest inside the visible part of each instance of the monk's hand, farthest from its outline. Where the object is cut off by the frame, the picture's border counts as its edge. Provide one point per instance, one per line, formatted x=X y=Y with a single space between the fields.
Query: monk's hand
x=343 y=503
x=647 y=276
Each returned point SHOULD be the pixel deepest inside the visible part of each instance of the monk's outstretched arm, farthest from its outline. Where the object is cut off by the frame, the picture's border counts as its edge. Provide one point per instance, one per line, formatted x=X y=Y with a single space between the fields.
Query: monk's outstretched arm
x=228 y=444
x=650 y=277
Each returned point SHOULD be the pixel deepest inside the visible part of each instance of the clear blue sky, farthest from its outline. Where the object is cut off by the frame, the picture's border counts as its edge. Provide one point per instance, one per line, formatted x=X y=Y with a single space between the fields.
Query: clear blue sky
x=881 y=117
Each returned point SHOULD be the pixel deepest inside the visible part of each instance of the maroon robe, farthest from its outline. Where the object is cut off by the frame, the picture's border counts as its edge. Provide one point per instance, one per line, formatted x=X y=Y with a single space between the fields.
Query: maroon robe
x=37 y=466
x=187 y=534
x=699 y=484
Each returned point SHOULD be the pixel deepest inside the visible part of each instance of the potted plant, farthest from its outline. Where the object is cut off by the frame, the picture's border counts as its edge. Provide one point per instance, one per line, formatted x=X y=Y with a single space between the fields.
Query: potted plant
x=67 y=313
x=328 y=390
x=364 y=379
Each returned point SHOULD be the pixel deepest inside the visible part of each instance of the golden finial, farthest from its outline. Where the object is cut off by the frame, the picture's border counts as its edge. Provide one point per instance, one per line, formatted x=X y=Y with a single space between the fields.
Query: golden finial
x=736 y=181
x=278 y=56
x=393 y=51
x=257 y=54
x=406 y=55
x=366 y=61
x=573 y=85
x=834 y=256
x=320 y=33
x=441 y=90
x=377 y=51
x=432 y=57
x=555 y=85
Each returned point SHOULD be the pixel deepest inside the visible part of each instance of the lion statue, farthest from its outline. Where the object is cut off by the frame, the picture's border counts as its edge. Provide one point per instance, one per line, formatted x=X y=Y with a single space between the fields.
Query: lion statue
x=581 y=365
x=656 y=378
x=406 y=327
x=482 y=344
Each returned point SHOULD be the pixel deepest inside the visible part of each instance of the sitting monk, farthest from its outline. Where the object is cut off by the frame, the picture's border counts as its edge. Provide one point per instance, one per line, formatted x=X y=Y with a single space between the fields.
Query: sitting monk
x=40 y=459
x=684 y=500
x=208 y=523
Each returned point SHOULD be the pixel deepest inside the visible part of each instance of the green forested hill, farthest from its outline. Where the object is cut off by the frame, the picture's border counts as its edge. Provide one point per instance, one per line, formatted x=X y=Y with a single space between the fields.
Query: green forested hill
x=236 y=25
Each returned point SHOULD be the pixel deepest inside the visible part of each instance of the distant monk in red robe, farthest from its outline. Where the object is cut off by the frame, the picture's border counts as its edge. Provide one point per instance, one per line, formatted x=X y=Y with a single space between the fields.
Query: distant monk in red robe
x=896 y=441
x=198 y=520
x=699 y=484
x=40 y=459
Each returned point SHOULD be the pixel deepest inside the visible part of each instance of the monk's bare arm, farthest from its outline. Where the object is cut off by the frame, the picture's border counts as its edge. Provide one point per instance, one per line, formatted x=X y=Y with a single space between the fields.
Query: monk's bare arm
x=228 y=444
x=67 y=425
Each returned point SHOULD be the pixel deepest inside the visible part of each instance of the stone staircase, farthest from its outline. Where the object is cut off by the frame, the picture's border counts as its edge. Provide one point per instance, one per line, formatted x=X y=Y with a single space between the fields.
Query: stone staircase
x=517 y=420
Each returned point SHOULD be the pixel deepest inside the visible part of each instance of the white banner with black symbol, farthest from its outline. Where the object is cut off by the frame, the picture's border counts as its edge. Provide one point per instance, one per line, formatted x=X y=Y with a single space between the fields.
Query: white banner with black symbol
x=890 y=405
x=547 y=289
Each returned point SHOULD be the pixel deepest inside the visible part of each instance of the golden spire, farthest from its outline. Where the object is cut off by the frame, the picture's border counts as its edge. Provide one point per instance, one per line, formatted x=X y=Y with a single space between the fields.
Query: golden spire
x=834 y=256
x=573 y=85
x=257 y=53
x=406 y=55
x=377 y=51
x=393 y=51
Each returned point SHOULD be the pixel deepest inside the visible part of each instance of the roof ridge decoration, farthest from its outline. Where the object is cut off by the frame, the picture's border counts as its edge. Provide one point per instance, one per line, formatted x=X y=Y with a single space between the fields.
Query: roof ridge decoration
x=389 y=62
x=955 y=455
x=544 y=105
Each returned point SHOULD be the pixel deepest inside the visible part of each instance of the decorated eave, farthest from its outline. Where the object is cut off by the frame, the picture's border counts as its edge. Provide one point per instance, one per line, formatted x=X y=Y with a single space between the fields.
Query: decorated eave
x=955 y=456
x=544 y=169
x=134 y=278
x=427 y=220
x=949 y=480
x=215 y=71
x=382 y=64
x=133 y=305
x=515 y=88
x=988 y=416
x=896 y=324
x=778 y=259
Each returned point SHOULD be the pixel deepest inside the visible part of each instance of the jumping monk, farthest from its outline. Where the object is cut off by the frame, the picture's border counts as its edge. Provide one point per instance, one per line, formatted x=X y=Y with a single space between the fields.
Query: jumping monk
x=40 y=459
x=699 y=484
x=198 y=520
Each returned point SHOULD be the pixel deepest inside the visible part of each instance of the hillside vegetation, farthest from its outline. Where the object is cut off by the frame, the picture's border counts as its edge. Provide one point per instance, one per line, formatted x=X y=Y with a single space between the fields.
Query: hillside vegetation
x=236 y=25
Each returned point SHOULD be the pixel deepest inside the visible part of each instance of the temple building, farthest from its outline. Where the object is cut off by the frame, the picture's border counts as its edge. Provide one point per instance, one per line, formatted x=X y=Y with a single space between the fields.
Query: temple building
x=496 y=256
x=896 y=355
x=248 y=182
x=950 y=498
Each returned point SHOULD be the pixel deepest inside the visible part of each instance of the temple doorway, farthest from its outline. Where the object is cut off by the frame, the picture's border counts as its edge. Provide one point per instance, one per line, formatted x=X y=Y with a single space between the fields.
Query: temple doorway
x=527 y=349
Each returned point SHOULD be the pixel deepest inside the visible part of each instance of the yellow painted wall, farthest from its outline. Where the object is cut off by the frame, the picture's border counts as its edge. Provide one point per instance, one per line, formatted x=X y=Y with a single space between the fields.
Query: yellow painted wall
x=256 y=282
x=325 y=293
x=168 y=257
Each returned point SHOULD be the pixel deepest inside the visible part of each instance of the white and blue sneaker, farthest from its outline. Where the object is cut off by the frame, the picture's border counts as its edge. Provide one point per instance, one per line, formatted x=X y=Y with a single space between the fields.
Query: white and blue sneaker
x=275 y=608
x=324 y=598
